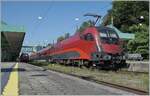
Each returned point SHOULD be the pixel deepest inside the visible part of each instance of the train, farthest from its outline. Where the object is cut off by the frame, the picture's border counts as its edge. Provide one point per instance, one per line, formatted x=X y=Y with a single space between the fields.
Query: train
x=24 y=57
x=98 y=46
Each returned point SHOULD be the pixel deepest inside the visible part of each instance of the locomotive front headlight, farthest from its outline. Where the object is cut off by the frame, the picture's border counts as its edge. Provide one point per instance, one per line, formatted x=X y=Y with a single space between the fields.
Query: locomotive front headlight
x=107 y=57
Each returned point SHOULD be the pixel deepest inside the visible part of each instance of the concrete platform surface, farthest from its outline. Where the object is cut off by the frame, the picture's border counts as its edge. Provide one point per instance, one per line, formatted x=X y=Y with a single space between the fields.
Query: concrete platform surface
x=33 y=80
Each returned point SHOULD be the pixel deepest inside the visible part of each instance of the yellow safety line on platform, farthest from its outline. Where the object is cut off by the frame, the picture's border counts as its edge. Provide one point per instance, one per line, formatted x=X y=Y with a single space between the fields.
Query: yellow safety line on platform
x=11 y=88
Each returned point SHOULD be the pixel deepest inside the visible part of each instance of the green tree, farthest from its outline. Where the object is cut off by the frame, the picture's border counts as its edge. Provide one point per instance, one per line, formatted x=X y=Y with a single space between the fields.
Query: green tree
x=84 y=25
x=107 y=18
x=60 y=38
x=127 y=17
x=67 y=35
x=141 y=42
x=127 y=13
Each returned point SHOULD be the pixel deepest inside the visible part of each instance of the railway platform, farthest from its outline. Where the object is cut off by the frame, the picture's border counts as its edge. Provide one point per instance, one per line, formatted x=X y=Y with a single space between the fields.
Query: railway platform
x=28 y=79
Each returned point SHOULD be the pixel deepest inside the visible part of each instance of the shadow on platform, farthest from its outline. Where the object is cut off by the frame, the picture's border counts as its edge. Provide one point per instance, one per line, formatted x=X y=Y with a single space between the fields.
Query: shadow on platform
x=21 y=70
x=11 y=70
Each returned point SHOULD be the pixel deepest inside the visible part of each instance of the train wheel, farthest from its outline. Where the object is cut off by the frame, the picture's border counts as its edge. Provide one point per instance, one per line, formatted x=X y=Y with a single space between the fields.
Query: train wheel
x=115 y=67
x=86 y=64
x=81 y=63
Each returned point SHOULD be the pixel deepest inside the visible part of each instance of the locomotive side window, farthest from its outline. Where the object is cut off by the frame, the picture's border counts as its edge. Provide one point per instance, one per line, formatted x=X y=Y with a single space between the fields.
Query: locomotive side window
x=108 y=35
x=89 y=37
x=103 y=35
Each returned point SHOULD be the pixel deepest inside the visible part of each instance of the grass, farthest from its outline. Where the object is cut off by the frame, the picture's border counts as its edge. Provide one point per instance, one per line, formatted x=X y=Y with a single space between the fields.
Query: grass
x=133 y=80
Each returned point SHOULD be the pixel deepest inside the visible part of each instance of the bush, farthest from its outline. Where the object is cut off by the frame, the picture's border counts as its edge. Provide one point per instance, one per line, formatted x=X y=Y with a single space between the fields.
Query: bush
x=39 y=63
x=141 y=42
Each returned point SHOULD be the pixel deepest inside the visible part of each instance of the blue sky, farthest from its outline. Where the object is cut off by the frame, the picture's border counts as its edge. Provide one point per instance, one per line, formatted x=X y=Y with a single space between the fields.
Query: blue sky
x=58 y=17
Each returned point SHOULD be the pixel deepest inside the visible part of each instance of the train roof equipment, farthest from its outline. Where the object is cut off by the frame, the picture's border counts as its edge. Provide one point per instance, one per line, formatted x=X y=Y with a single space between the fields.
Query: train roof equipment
x=93 y=15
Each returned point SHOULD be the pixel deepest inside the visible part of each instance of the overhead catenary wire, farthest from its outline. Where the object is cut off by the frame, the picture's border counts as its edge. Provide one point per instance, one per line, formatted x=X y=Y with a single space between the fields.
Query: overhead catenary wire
x=44 y=15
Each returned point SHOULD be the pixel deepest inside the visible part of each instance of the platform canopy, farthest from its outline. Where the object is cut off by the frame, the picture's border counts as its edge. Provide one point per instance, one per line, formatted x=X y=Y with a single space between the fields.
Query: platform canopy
x=11 y=41
x=126 y=36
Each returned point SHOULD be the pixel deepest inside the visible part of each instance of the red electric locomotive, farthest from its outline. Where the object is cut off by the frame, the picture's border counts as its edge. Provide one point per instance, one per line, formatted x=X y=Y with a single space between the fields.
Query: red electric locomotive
x=95 y=46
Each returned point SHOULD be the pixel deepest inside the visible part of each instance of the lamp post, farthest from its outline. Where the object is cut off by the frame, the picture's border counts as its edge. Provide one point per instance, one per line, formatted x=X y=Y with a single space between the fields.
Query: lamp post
x=40 y=17
x=112 y=20
x=141 y=19
x=77 y=19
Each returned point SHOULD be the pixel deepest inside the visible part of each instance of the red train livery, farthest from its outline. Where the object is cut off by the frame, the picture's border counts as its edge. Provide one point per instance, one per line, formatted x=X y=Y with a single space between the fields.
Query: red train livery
x=95 y=46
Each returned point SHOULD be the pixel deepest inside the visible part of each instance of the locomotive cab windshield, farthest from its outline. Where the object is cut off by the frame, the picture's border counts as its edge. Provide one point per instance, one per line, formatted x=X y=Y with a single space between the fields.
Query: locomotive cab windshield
x=108 y=35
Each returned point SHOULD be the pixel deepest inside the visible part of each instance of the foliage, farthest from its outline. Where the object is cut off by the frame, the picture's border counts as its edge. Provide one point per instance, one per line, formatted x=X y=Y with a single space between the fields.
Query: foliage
x=49 y=44
x=107 y=18
x=84 y=25
x=141 y=42
x=60 y=38
x=66 y=36
x=38 y=63
x=127 y=13
x=127 y=18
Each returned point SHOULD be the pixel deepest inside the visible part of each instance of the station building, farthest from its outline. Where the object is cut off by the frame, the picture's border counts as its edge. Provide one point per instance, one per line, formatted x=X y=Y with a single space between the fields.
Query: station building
x=11 y=41
x=29 y=49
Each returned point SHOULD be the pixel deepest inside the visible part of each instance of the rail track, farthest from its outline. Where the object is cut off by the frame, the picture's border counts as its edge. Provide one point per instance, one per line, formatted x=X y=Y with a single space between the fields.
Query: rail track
x=129 y=89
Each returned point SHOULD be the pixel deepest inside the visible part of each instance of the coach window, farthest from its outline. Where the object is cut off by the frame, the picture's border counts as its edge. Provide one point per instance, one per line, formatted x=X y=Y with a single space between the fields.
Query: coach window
x=89 y=37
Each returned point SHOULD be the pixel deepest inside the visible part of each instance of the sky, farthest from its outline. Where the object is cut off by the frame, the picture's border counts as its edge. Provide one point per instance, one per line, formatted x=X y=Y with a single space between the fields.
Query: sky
x=45 y=21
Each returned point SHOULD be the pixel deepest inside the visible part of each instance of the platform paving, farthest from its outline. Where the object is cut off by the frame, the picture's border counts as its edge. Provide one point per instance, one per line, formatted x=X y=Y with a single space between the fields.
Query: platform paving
x=34 y=80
